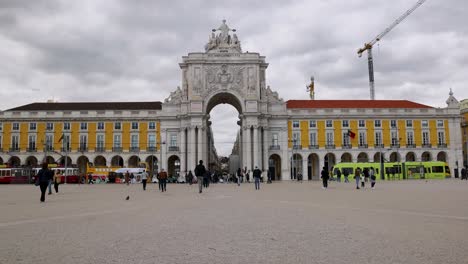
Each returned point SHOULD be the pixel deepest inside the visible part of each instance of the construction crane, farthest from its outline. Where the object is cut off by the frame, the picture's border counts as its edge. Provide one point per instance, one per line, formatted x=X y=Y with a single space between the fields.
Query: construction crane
x=368 y=46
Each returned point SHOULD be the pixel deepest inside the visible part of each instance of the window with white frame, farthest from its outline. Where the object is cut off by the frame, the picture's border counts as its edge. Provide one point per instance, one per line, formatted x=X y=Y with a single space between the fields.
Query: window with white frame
x=393 y=123
x=66 y=126
x=296 y=139
x=100 y=141
x=15 y=142
x=346 y=141
x=117 y=126
x=440 y=123
x=425 y=138
x=409 y=138
x=49 y=126
x=362 y=138
x=173 y=142
x=345 y=123
x=66 y=143
x=84 y=126
x=441 y=137
x=152 y=125
x=100 y=126
x=312 y=124
x=329 y=123
x=409 y=123
x=378 y=138
x=424 y=123
x=117 y=141
x=49 y=144
x=134 y=141
x=83 y=142
x=152 y=140
x=329 y=138
x=313 y=139
x=32 y=126
x=15 y=127
x=134 y=125
x=394 y=138
x=32 y=142
x=377 y=123
x=295 y=124
x=274 y=139
x=362 y=123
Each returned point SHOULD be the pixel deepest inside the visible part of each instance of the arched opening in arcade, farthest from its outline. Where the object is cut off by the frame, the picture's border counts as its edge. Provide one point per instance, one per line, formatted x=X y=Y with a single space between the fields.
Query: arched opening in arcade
x=100 y=161
x=274 y=167
x=1 y=161
x=296 y=166
x=329 y=161
x=117 y=161
x=133 y=162
x=61 y=161
x=442 y=156
x=346 y=157
x=362 y=157
x=313 y=168
x=410 y=156
x=173 y=166
x=14 y=161
x=50 y=160
x=152 y=162
x=426 y=156
x=394 y=157
x=82 y=162
x=31 y=161
x=377 y=157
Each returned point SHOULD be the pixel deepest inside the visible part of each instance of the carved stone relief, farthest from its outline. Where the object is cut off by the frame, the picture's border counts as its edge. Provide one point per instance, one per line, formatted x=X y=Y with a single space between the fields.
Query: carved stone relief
x=224 y=77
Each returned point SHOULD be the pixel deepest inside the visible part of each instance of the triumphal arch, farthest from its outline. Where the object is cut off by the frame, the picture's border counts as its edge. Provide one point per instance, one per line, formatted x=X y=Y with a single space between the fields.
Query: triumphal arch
x=224 y=74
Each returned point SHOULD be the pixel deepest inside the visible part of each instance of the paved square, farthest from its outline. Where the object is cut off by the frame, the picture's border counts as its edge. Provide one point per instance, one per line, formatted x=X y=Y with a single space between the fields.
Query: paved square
x=288 y=222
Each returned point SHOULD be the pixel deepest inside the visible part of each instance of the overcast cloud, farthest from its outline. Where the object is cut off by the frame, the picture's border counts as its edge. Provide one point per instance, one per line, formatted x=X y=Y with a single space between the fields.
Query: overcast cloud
x=92 y=50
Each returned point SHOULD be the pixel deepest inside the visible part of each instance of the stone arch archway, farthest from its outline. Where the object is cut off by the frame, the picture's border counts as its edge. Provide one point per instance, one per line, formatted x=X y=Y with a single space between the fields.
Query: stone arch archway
x=14 y=161
x=362 y=157
x=50 y=160
x=82 y=162
x=394 y=157
x=31 y=161
x=133 y=161
x=329 y=161
x=410 y=156
x=61 y=161
x=377 y=156
x=274 y=167
x=100 y=161
x=346 y=157
x=296 y=166
x=152 y=162
x=426 y=156
x=442 y=156
x=117 y=161
x=313 y=170
x=173 y=166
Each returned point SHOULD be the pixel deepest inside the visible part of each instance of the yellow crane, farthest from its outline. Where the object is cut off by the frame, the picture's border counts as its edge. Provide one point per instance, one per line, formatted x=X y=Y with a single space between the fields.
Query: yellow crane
x=368 y=46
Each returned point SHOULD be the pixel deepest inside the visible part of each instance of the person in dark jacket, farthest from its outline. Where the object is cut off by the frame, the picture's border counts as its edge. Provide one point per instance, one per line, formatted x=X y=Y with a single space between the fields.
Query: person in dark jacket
x=190 y=177
x=200 y=172
x=366 y=177
x=257 y=174
x=324 y=176
x=43 y=177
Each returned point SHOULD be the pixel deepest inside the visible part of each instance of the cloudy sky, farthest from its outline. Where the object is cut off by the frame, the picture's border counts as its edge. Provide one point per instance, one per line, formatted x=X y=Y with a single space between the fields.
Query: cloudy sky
x=92 y=50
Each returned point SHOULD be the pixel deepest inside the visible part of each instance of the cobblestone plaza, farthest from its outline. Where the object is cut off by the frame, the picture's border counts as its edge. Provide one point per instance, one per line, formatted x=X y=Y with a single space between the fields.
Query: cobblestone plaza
x=285 y=222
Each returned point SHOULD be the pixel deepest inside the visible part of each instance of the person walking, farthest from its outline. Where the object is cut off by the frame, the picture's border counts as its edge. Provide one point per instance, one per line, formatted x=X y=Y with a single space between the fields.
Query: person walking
x=338 y=175
x=357 y=177
x=372 y=178
x=268 y=176
x=51 y=180
x=200 y=171
x=144 y=179
x=257 y=174
x=43 y=178
x=190 y=177
x=463 y=174
x=365 y=177
x=346 y=175
x=206 y=178
x=239 y=175
x=162 y=180
x=127 y=178
x=324 y=176
x=57 y=179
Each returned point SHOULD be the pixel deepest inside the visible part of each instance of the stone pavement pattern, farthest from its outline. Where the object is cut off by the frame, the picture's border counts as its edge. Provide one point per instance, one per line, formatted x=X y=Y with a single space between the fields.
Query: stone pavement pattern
x=289 y=222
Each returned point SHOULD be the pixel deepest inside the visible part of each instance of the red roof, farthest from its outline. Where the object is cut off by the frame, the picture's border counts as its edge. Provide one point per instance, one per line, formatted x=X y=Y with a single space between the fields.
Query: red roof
x=353 y=104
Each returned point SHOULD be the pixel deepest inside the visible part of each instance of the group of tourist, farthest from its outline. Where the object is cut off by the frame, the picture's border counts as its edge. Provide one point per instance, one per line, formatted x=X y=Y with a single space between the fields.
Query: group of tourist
x=360 y=176
x=45 y=177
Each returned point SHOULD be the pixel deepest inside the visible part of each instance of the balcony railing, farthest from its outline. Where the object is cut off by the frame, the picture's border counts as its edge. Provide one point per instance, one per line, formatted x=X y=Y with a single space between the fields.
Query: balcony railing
x=32 y=149
x=427 y=145
x=83 y=149
x=363 y=146
x=151 y=148
x=48 y=148
x=14 y=149
x=378 y=145
x=314 y=146
x=134 y=149
x=116 y=149
x=395 y=145
x=173 y=148
x=275 y=147
x=330 y=146
x=100 y=149
x=346 y=146
x=442 y=145
x=411 y=145
x=65 y=149
x=297 y=146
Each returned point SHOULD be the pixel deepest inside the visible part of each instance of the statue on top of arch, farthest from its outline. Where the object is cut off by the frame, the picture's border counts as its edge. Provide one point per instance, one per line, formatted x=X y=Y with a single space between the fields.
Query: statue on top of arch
x=223 y=40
